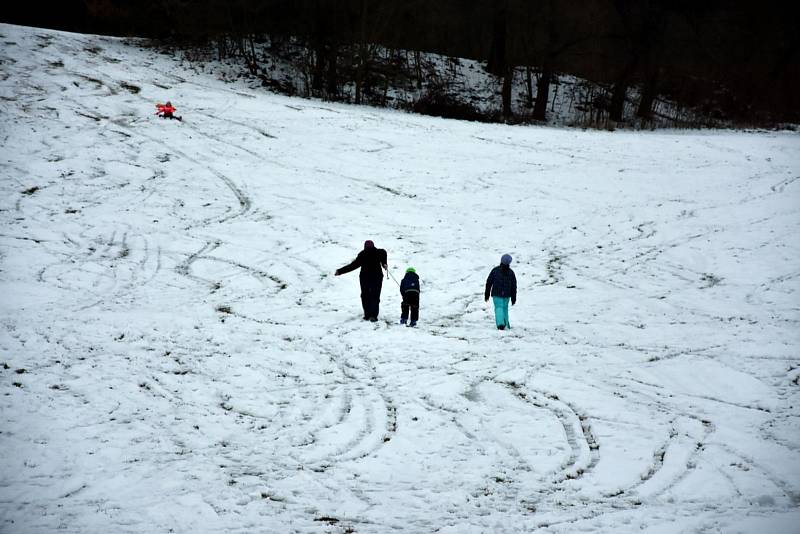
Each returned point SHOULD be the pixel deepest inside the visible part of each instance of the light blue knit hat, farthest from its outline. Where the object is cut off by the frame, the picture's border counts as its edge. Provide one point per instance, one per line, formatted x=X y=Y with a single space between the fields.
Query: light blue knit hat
x=506 y=259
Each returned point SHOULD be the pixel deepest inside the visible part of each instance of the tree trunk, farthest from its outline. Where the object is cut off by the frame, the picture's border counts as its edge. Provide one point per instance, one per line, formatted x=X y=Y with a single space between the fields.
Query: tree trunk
x=331 y=76
x=555 y=98
x=542 y=94
x=359 y=78
x=496 y=63
x=508 y=79
x=418 y=68
x=221 y=50
x=253 y=55
x=318 y=76
x=645 y=110
x=618 y=101
x=361 y=71
x=529 y=85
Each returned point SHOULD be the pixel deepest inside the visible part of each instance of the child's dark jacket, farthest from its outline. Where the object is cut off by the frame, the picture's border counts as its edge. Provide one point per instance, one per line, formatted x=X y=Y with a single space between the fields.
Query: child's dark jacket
x=501 y=283
x=409 y=283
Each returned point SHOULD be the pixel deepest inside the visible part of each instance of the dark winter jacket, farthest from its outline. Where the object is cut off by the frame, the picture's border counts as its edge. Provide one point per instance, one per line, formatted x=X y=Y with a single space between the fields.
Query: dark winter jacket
x=501 y=283
x=370 y=260
x=409 y=283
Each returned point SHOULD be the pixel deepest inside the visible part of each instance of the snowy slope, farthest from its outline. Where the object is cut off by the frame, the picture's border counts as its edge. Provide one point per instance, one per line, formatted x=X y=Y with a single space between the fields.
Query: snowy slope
x=178 y=357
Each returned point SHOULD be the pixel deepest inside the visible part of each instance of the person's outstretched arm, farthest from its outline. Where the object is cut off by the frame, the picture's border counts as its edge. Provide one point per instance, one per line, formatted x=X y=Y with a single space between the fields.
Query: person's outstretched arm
x=355 y=264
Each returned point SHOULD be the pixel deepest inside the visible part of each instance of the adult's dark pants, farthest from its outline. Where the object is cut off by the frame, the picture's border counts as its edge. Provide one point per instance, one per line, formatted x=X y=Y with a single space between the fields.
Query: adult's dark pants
x=410 y=303
x=371 y=295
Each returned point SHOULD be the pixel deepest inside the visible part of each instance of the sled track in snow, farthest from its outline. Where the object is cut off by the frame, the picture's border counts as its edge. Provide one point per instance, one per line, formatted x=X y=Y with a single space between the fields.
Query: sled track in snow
x=585 y=454
x=364 y=409
x=115 y=265
x=653 y=484
x=363 y=404
x=680 y=442
x=244 y=125
x=184 y=268
x=687 y=439
x=783 y=184
x=244 y=201
x=584 y=448
x=515 y=476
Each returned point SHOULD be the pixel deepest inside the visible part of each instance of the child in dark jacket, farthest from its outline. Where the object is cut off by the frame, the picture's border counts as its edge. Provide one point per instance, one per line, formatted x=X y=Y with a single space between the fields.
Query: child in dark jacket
x=502 y=287
x=409 y=289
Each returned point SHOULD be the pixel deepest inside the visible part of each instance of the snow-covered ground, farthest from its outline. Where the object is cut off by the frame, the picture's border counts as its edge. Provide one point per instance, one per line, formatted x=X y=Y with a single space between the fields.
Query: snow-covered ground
x=177 y=355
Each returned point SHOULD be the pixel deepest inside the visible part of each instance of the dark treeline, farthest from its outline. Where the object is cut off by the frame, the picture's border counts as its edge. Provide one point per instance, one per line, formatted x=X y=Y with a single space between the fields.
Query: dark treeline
x=732 y=59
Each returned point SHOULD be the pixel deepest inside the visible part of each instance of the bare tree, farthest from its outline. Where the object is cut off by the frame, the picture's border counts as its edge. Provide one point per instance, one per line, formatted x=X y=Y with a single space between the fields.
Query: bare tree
x=499 y=63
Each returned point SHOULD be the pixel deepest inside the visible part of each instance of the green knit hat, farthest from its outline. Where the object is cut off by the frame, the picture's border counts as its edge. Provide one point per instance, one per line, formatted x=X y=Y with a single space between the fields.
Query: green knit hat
x=411 y=270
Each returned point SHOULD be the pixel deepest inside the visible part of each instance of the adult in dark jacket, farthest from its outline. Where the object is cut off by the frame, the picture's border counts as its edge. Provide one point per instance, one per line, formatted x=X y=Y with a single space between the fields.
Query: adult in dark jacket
x=409 y=289
x=502 y=286
x=371 y=260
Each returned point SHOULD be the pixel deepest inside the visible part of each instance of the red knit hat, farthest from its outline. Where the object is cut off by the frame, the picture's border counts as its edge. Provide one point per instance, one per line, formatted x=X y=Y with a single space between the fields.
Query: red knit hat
x=369 y=244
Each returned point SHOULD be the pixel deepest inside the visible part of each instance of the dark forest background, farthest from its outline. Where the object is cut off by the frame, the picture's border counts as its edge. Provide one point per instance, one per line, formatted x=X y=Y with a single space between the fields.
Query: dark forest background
x=734 y=60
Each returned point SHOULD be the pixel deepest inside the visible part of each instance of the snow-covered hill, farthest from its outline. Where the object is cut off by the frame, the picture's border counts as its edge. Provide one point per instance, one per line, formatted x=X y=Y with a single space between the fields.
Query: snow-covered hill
x=177 y=355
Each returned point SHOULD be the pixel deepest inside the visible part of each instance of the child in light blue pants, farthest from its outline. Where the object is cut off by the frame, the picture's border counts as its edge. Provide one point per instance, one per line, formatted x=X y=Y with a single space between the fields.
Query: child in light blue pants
x=502 y=286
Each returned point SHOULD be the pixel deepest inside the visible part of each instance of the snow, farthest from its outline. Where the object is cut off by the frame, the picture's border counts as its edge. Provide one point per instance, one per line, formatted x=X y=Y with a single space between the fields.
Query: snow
x=178 y=356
